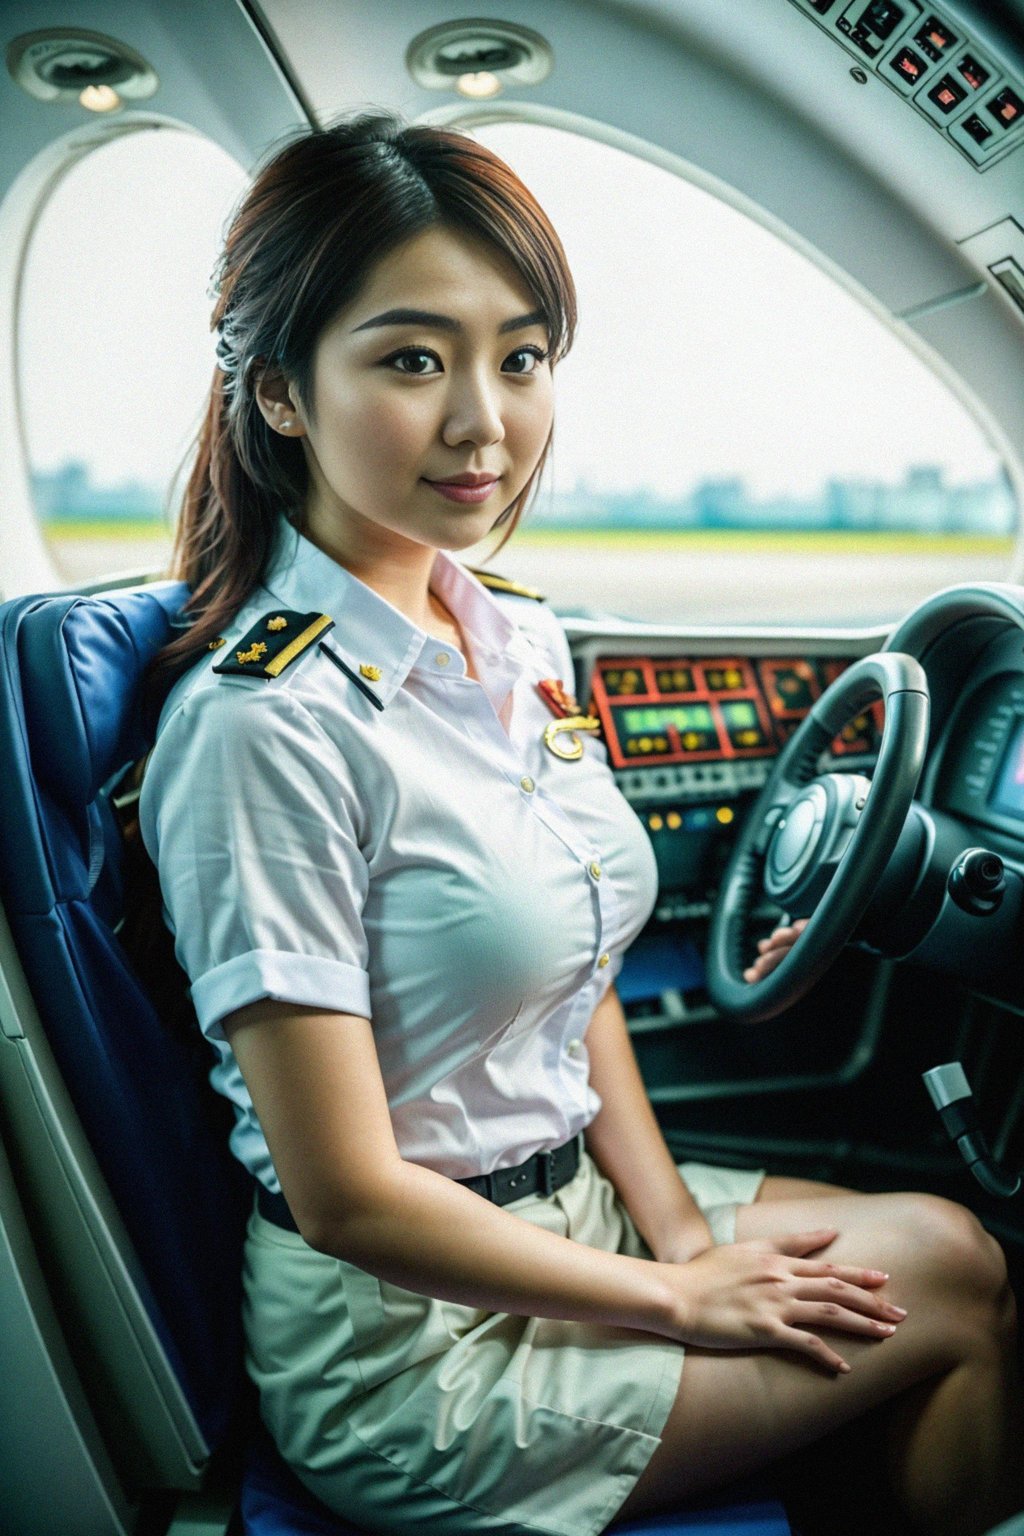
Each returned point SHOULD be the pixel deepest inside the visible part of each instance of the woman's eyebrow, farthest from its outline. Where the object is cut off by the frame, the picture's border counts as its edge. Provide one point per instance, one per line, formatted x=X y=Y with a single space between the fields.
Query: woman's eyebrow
x=445 y=322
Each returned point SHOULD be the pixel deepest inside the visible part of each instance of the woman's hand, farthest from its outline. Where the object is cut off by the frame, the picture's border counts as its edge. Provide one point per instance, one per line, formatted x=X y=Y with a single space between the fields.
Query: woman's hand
x=773 y=950
x=770 y=1295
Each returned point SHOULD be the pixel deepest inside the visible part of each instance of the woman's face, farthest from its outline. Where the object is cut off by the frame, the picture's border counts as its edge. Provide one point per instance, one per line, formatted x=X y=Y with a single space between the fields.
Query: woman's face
x=438 y=369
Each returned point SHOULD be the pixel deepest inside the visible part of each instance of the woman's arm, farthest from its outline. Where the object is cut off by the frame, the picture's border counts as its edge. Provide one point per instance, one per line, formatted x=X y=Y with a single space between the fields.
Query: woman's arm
x=317 y=1090
x=626 y=1143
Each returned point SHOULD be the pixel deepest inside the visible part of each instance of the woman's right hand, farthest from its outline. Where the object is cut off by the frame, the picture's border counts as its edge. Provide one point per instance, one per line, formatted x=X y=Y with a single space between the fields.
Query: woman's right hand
x=771 y=1295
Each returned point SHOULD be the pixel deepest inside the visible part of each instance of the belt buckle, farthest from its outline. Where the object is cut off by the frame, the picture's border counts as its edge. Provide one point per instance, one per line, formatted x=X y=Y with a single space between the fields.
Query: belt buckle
x=547 y=1175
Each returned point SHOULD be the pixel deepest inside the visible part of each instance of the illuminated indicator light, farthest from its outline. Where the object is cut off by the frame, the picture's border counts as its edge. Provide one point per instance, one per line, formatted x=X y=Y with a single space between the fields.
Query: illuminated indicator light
x=674 y=820
x=733 y=679
x=682 y=680
x=748 y=738
x=655 y=822
x=691 y=741
x=907 y=64
x=661 y=742
x=1006 y=107
x=972 y=73
x=725 y=814
x=947 y=93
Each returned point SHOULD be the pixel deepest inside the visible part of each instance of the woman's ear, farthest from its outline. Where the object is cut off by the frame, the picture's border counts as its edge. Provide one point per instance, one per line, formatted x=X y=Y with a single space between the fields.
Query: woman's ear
x=276 y=402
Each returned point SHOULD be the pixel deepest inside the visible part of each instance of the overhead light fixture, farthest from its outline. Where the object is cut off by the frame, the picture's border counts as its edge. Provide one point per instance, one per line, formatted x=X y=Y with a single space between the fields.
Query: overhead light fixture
x=72 y=64
x=479 y=85
x=478 y=57
x=100 y=98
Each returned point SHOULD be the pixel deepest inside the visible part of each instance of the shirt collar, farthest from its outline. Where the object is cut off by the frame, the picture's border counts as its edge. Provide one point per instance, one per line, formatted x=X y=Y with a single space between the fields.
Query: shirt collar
x=368 y=630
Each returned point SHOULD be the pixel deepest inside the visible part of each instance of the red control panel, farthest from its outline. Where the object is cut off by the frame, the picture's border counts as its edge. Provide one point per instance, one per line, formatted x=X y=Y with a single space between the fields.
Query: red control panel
x=711 y=709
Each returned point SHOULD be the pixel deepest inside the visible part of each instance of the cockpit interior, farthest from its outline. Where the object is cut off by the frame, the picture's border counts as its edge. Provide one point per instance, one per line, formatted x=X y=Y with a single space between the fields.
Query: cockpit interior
x=783 y=535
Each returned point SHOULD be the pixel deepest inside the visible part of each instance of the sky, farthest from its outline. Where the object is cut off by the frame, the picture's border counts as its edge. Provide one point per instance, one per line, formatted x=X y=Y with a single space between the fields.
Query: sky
x=706 y=346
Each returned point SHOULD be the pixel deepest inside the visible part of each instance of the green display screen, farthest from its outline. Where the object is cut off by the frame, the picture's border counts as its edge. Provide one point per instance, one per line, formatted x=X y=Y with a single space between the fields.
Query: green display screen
x=739 y=713
x=685 y=717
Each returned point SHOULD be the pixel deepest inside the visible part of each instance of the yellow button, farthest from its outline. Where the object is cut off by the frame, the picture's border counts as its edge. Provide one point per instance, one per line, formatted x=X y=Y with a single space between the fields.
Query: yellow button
x=604 y=960
x=527 y=783
x=595 y=869
x=442 y=658
x=573 y=1048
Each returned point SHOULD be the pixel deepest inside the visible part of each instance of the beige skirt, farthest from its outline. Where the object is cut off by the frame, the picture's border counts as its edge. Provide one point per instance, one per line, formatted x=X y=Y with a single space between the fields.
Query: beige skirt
x=397 y=1409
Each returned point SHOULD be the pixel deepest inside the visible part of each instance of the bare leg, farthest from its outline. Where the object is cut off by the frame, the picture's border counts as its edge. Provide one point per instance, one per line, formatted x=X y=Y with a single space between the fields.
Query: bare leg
x=950 y=1364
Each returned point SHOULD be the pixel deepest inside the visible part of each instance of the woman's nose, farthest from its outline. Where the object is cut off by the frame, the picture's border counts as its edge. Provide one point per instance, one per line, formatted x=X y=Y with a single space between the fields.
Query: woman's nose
x=474 y=413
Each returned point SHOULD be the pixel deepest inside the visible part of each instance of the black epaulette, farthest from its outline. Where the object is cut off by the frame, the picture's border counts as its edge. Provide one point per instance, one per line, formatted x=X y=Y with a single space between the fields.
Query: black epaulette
x=503 y=584
x=273 y=643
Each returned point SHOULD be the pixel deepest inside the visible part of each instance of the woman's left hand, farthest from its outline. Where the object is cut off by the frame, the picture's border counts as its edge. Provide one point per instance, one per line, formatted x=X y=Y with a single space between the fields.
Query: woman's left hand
x=773 y=950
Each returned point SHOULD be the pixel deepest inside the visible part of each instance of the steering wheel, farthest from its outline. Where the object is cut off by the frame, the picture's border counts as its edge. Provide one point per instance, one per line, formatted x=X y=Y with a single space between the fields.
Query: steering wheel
x=805 y=828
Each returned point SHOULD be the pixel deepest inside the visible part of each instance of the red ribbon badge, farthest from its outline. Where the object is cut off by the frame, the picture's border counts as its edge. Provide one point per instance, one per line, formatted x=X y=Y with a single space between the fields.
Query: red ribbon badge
x=557 y=699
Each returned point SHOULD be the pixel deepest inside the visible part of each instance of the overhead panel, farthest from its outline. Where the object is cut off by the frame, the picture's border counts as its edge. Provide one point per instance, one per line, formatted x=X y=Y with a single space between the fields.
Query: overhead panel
x=947 y=75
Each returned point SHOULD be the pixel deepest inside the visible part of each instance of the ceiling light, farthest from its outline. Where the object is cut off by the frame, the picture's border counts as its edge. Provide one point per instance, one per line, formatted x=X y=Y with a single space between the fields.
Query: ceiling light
x=100 y=98
x=479 y=85
x=501 y=53
x=63 y=64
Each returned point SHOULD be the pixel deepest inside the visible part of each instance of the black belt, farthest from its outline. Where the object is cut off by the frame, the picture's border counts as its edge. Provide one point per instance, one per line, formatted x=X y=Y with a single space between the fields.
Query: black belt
x=541 y=1174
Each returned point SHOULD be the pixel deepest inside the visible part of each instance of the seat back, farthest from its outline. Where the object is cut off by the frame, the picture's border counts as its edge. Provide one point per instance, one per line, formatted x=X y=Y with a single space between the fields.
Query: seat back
x=71 y=720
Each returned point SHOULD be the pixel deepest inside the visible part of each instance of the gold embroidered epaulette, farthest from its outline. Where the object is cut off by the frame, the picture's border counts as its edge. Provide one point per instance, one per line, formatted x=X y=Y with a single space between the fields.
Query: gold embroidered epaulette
x=273 y=643
x=503 y=584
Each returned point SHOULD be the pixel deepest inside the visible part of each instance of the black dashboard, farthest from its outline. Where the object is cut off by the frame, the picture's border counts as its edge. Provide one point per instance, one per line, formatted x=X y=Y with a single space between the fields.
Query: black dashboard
x=692 y=738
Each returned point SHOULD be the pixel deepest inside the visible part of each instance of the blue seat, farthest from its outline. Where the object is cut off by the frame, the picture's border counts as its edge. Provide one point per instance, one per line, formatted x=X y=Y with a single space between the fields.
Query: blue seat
x=71 y=720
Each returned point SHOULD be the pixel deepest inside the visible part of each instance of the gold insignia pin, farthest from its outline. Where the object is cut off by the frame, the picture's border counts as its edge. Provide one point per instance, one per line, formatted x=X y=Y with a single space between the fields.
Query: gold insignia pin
x=373 y=673
x=278 y=623
x=571 y=750
x=215 y=645
x=254 y=653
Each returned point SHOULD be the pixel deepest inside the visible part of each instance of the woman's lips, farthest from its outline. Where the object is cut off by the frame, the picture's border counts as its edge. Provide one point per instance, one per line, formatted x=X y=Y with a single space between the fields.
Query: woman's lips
x=464 y=493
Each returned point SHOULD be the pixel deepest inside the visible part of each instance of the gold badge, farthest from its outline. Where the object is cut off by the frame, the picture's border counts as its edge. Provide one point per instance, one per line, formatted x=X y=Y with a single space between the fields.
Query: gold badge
x=278 y=623
x=572 y=749
x=562 y=703
x=373 y=673
x=253 y=653
x=215 y=645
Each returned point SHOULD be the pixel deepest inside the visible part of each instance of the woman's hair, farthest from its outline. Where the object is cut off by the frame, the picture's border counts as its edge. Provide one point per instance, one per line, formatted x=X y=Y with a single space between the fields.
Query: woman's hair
x=323 y=209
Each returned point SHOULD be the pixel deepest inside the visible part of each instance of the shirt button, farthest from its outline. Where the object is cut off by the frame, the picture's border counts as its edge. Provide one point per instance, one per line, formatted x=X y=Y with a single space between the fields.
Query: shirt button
x=442 y=658
x=527 y=783
x=595 y=869
x=573 y=1048
x=604 y=960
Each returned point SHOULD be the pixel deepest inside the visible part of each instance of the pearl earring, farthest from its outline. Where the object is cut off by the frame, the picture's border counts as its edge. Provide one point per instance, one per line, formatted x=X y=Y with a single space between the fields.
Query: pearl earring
x=286 y=426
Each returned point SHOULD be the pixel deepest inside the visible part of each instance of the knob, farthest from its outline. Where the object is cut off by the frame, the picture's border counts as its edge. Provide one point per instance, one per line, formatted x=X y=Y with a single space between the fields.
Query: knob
x=977 y=881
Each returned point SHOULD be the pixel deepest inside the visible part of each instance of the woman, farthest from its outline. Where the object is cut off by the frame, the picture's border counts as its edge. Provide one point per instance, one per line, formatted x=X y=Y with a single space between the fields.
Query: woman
x=401 y=914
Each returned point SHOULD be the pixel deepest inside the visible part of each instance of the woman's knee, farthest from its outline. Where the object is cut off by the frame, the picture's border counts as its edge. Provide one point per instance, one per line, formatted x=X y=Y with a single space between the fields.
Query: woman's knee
x=960 y=1256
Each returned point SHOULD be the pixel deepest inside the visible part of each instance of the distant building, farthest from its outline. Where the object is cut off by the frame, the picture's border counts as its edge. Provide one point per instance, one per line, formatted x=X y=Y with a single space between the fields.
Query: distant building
x=923 y=503
x=68 y=495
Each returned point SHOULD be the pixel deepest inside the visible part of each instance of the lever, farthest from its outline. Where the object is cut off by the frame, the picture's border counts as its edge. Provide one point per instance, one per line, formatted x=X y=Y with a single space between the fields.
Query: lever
x=950 y=1092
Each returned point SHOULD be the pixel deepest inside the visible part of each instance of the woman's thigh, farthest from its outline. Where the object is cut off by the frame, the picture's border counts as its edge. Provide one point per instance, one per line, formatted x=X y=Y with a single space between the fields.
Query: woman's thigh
x=737 y=1411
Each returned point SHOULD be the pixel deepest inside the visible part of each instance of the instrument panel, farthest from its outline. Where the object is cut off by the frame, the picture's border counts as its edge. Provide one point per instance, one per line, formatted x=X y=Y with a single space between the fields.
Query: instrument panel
x=657 y=711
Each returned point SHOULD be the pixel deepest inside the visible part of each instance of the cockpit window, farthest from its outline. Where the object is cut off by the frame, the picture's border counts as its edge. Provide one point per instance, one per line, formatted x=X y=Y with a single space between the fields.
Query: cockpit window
x=737 y=437
x=114 y=347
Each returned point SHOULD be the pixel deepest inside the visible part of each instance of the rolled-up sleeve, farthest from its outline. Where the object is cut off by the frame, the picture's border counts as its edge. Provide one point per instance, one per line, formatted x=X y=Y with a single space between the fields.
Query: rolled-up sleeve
x=249 y=814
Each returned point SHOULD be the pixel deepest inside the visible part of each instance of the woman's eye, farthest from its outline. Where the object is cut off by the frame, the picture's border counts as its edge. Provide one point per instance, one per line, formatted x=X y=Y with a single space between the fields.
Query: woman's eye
x=526 y=359
x=415 y=360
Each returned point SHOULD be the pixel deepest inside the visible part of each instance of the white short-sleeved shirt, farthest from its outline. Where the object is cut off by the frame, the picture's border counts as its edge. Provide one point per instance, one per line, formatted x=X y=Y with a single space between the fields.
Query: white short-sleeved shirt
x=431 y=865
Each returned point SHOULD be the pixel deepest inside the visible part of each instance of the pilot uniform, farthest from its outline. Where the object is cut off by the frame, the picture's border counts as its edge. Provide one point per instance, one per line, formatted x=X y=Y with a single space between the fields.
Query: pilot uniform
x=342 y=818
